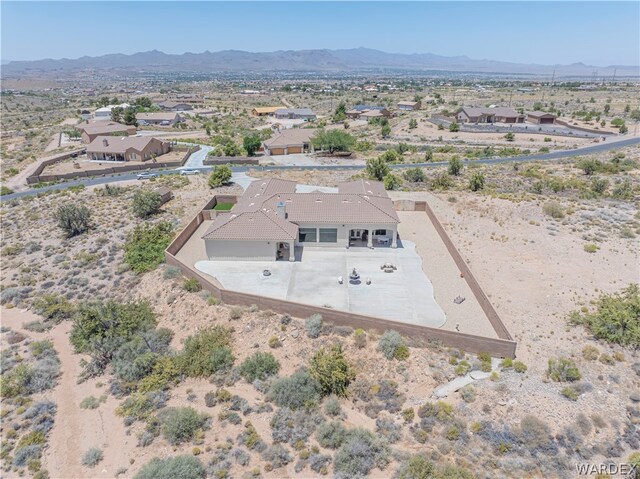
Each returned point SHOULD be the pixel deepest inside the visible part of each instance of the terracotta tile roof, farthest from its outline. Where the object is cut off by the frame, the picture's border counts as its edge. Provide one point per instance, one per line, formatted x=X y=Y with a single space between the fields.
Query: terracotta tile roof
x=290 y=137
x=159 y=116
x=99 y=128
x=501 y=111
x=364 y=187
x=118 y=144
x=539 y=114
x=251 y=225
x=267 y=109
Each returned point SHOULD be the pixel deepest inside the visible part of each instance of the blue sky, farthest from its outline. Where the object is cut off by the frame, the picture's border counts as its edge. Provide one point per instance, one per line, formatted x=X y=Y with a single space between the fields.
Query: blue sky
x=597 y=33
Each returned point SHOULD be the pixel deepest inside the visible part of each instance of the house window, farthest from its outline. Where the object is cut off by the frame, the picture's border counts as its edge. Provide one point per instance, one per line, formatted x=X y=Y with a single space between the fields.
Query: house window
x=133 y=156
x=328 y=235
x=380 y=232
x=307 y=235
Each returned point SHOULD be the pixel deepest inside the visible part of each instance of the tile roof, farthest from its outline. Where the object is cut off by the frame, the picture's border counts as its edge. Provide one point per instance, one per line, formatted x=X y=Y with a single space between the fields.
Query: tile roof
x=251 y=225
x=539 y=114
x=290 y=137
x=119 y=144
x=294 y=111
x=368 y=107
x=363 y=187
x=473 y=111
x=267 y=109
x=161 y=116
x=103 y=127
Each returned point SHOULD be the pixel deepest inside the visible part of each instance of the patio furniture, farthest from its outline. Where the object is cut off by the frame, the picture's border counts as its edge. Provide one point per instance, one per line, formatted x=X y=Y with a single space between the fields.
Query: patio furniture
x=340 y=280
x=383 y=240
x=266 y=272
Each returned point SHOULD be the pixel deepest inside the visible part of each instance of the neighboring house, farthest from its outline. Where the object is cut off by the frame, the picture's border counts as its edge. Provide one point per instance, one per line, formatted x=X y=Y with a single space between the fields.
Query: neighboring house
x=357 y=111
x=271 y=219
x=409 y=105
x=295 y=114
x=489 y=115
x=170 y=105
x=292 y=140
x=266 y=110
x=541 y=117
x=162 y=119
x=90 y=131
x=85 y=114
x=104 y=113
x=127 y=148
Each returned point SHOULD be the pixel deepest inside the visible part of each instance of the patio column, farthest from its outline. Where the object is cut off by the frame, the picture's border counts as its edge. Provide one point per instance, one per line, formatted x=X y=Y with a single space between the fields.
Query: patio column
x=394 y=238
x=370 y=238
x=292 y=251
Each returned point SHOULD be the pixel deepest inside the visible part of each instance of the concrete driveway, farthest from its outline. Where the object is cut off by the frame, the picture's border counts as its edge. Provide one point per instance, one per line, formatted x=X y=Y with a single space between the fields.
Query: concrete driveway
x=406 y=295
x=197 y=158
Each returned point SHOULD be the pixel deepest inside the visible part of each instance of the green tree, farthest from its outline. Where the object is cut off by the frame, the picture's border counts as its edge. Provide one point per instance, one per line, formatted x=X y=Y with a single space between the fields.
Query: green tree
x=341 y=112
x=390 y=156
x=537 y=106
x=116 y=114
x=377 y=169
x=635 y=114
x=510 y=136
x=413 y=123
x=623 y=129
x=143 y=102
x=476 y=182
x=415 y=175
x=454 y=127
x=627 y=108
x=129 y=117
x=392 y=182
x=220 y=175
x=428 y=155
x=385 y=131
x=607 y=108
x=332 y=371
x=74 y=220
x=333 y=140
x=231 y=149
x=146 y=203
x=251 y=143
x=455 y=166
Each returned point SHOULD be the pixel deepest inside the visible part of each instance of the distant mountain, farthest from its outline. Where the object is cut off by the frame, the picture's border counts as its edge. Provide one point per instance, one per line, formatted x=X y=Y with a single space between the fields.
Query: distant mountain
x=351 y=60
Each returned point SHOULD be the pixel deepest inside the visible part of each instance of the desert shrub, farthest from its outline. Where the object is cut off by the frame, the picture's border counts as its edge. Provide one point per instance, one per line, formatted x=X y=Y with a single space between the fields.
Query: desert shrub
x=570 y=393
x=387 y=428
x=331 y=370
x=179 y=425
x=73 y=220
x=599 y=185
x=165 y=371
x=313 y=325
x=146 y=203
x=141 y=405
x=359 y=454
x=553 y=209
x=136 y=359
x=476 y=181
x=468 y=393
x=391 y=181
x=274 y=342
x=377 y=168
x=590 y=248
x=415 y=175
x=590 y=353
x=535 y=436
x=392 y=346
x=53 y=307
x=519 y=367
x=441 y=181
x=220 y=175
x=360 y=338
x=563 y=370
x=191 y=285
x=183 y=467
x=331 y=434
x=589 y=166
x=144 y=249
x=455 y=166
x=92 y=457
x=23 y=455
x=259 y=366
x=293 y=426
x=319 y=462
x=615 y=319
x=90 y=402
x=297 y=391
x=440 y=410
x=408 y=414
x=240 y=456
x=171 y=272
x=277 y=455
x=332 y=406
x=416 y=467
x=250 y=438
x=206 y=352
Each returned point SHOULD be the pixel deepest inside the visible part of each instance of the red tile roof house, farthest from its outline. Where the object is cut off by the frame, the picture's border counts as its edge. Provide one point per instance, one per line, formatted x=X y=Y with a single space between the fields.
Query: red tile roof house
x=497 y=114
x=271 y=219
x=126 y=148
x=159 y=118
x=290 y=141
x=90 y=131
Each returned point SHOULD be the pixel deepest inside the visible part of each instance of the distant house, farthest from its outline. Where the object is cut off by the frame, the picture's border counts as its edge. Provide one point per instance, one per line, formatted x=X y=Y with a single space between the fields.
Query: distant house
x=295 y=114
x=128 y=148
x=488 y=115
x=104 y=113
x=359 y=110
x=293 y=140
x=90 y=131
x=541 y=117
x=170 y=105
x=162 y=119
x=409 y=105
x=266 y=110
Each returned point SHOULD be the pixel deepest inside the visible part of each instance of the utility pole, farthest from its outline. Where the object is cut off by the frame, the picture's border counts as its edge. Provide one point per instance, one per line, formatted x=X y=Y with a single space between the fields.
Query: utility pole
x=510 y=96
x=613 y=80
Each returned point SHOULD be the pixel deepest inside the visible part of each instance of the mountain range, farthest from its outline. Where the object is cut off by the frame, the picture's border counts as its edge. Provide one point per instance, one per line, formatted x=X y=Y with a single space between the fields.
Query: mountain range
x=330 y=61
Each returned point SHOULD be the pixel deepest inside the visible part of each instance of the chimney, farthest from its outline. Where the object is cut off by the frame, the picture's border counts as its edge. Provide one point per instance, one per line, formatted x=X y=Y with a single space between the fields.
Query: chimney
x=281 y=210
x=105 y=142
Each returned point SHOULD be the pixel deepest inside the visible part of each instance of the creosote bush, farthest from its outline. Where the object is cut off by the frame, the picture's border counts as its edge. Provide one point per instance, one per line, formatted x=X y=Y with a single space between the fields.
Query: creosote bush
x=73 y=220
x=360 y=453
x=145 y=203
x=92 y=457
x=313 y=325
x=183 y=467
x=259 y=366
x=179 y=425
x=300 y=390
x=563 y=370
x=206 y=352
x=144 y=249
x=392 y=346
x=332 y=371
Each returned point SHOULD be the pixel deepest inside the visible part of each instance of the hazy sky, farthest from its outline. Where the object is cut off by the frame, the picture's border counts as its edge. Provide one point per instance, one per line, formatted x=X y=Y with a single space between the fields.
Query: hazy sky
x=597 y=33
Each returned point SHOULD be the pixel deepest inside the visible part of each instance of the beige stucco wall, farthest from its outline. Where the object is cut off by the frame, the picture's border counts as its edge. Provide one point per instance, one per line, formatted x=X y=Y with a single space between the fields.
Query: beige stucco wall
x=241 y=250
x=343 y=232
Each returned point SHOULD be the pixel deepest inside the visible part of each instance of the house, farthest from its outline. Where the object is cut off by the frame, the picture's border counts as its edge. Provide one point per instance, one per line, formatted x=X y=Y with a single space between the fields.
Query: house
x=169 y=105
x=126 y=148
x=162 y=119
x=409 y=105
x=359 y=110
x=295 y=114
x=104 y=113
x=488 y=115
x=90 y=131
x=287 y=142
x=272 y=219
x=266 y=110
x=541 y=117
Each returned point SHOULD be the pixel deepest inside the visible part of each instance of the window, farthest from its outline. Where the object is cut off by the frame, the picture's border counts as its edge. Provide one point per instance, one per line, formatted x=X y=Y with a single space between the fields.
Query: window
x=307 y=235
x=380 y=232
x=328 y=235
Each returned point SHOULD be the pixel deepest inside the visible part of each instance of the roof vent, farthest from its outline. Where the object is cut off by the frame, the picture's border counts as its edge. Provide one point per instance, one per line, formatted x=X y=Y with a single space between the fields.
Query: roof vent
x=281 y=210
x=105 y=142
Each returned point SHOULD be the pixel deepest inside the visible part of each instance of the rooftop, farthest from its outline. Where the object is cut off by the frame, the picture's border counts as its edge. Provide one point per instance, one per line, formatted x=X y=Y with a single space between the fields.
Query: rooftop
x=118 y=145
x=290 y=137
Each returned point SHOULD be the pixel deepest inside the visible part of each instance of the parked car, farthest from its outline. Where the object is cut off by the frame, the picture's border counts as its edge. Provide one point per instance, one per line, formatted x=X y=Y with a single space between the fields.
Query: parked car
x=189 y=172
x=147 y=175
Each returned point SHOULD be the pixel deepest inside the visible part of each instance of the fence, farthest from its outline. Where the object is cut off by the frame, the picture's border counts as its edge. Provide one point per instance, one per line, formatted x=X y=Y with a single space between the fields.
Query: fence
x=38 y=177
x=503 y=346
x=582 y=128
x=230 y=160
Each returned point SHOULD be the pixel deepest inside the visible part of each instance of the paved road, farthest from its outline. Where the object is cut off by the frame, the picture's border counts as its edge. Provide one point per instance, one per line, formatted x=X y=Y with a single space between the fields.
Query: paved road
x=556 y=155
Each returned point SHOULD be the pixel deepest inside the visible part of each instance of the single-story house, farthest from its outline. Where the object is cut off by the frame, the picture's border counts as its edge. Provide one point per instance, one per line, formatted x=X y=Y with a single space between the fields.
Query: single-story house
x=271 y=219
x=355 y=112
x=161 y=118
x=170 y=105
x=104 y=113
x=488 y=115
x=541 y=117
x=90 y=131
x=409 y=105
x=266 y=110
x=295 y=114
x=126 y=148
x=289 y=141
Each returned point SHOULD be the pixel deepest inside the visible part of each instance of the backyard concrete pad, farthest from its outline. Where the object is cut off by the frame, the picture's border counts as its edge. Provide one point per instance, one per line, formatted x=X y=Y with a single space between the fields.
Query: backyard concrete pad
x=406 y=295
